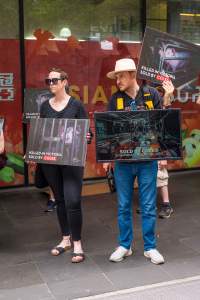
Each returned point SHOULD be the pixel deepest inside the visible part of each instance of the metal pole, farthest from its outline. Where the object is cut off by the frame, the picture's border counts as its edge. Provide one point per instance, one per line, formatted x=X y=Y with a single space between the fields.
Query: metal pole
x=143 y=15
x=23 y=79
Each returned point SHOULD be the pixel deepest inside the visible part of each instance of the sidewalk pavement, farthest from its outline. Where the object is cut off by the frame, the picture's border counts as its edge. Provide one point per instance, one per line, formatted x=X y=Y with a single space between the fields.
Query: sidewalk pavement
x=183 y=289
x=27 y=234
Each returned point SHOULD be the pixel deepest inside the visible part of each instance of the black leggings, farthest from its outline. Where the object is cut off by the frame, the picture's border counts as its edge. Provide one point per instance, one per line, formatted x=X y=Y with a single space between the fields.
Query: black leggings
x=66 y=184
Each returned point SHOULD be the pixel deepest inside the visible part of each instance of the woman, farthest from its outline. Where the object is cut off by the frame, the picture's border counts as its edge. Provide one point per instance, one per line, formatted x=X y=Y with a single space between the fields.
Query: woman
x=65 y=181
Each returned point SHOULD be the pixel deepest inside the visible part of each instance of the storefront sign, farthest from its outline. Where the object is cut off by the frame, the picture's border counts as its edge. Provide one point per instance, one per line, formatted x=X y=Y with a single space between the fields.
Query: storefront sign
x=6 y=87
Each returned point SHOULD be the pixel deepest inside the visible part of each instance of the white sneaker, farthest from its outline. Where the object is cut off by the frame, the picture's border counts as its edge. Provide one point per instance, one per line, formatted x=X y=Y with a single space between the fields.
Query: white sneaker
x=120 y=253
x=154 y=256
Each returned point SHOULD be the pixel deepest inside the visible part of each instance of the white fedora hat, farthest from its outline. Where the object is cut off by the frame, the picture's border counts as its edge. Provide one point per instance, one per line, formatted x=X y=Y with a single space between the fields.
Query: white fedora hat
x=121 y=65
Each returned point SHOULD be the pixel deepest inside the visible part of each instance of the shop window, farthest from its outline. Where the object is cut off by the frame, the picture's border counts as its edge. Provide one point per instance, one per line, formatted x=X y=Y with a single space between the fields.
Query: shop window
x=9 y=19
x=87 y=20
x=184 y=19
x=157 y=14
x=85 y=38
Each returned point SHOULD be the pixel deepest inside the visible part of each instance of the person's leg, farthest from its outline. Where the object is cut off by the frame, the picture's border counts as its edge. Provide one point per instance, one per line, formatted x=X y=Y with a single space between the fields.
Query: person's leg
x=51 y=195
x=124 y=179
x=72 y=180
x=166 y=209
x=164 y=194
x=147 y=175
x=162 y=185
x=51 y=203
x=54 y=177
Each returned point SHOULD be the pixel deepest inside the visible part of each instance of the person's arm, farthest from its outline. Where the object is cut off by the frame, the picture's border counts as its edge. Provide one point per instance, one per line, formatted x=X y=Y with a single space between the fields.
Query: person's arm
x=82 y=114
x=42 y=110
x=111 y=107
x=157 y=99
x=168 y=95
x=2 y=143
x=198 y=100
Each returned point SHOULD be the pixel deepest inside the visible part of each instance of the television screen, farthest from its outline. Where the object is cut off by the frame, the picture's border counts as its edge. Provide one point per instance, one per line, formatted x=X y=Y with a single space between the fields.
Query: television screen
x=138 y=135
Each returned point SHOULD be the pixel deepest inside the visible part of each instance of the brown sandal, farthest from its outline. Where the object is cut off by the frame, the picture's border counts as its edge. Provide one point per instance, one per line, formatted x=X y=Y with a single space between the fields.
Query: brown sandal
x=60 y=250
x=78 y=257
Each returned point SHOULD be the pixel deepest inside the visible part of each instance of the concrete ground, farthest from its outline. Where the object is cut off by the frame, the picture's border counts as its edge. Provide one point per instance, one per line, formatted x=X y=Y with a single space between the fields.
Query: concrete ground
x=27 y=233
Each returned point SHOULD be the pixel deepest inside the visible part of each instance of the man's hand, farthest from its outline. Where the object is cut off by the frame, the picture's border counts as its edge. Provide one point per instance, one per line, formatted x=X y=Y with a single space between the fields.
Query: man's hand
x=169 y=89
x=162 y=164
x=107 y=166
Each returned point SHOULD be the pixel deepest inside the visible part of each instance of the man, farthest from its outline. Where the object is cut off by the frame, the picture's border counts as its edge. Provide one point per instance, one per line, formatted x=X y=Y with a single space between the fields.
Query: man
x=130 y=97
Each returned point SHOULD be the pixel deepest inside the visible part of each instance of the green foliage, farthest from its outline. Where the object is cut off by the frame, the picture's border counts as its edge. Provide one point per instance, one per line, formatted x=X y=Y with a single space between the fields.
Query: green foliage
x=16 y=161
x=7 y=175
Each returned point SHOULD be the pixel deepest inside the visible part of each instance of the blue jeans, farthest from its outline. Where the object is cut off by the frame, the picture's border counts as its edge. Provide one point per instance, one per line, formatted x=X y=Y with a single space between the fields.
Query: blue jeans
x=125 y=174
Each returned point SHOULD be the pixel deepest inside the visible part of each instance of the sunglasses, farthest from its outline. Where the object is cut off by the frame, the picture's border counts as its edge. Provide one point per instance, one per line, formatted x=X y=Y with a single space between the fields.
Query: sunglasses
x=50 y=81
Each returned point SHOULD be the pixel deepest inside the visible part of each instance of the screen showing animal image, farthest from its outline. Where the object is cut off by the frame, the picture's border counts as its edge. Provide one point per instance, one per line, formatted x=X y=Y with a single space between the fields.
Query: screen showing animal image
x=33 y=99
x=165 y=56
x=57 y=141
x=138 y=135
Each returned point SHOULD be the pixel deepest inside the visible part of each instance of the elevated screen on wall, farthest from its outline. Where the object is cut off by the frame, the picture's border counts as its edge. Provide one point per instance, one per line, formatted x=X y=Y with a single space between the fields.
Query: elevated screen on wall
x=57 y=141
x=138 y=135
x=166 y=56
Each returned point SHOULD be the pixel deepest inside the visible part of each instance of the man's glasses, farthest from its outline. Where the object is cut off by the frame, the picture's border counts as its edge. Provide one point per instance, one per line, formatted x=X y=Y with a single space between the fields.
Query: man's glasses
x=50 y=81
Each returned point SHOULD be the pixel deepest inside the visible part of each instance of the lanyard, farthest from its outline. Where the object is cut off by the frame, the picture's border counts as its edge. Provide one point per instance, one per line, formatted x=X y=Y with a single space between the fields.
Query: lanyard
x=133 y=105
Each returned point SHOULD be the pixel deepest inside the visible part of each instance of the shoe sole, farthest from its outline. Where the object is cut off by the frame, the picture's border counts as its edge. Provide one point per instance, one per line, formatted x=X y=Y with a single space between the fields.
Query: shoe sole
x=122 y=258
x=166 y=217
x=153 y=261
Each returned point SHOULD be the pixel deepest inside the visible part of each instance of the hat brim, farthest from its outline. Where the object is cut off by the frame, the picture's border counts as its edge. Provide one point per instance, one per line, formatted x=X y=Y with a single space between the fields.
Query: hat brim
x=112 y=74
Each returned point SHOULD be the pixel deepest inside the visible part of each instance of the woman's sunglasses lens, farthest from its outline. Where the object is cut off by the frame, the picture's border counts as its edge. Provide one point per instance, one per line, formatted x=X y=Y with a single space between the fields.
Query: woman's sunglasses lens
x=54 y=80
x=49 y=81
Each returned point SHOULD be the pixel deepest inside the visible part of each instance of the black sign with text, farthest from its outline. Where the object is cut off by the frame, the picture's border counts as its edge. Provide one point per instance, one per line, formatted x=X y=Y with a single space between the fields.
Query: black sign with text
x=33 y=99
x=138 y=135
x=165 y=56
x=57 y=141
